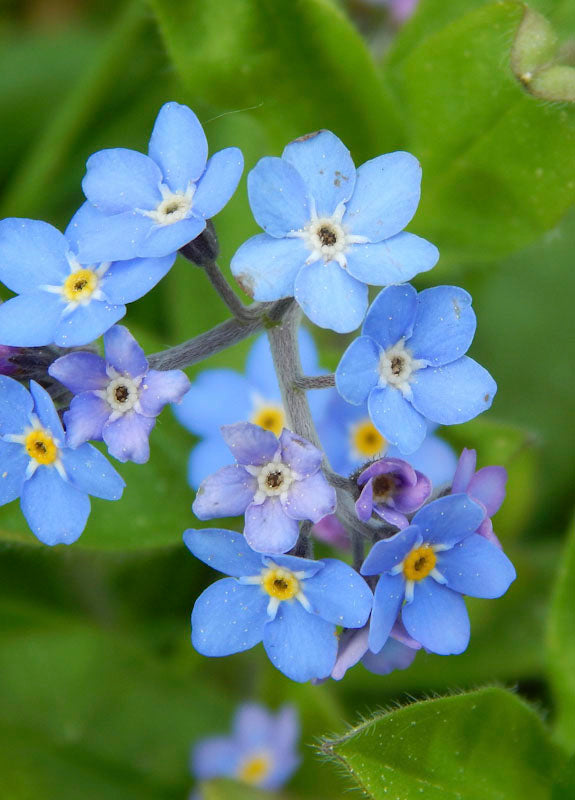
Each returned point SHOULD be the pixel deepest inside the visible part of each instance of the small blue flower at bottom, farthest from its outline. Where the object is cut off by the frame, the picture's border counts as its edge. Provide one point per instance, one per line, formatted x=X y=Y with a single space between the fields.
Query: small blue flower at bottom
x=52 y=481
x=291 y=604
x=261 y=750
x=426 y=568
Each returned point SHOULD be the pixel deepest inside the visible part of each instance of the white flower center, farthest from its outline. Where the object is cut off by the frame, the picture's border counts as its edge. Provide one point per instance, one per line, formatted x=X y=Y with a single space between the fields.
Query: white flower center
x=327 y=238
x=275 y=478
x=175 y=206
x=397 y=365
x=122 y=394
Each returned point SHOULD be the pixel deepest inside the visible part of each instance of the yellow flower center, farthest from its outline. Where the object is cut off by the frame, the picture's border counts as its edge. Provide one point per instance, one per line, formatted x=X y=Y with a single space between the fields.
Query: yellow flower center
x=280 y=583
x=271 y=418
x=367 y=440
x=419 y=563
x=80 y=285
x=41 y=447
x=254 y=769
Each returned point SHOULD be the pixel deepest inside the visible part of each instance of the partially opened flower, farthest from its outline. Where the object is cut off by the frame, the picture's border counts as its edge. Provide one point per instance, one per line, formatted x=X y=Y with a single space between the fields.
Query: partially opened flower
x=52 y=480
x=117 y=398
x=331 y=229
x=426 y=568
x=275 y=483
x=391 y=488
x=260 y=751
x=397 y=653
x=291 y=604
x=486 y=487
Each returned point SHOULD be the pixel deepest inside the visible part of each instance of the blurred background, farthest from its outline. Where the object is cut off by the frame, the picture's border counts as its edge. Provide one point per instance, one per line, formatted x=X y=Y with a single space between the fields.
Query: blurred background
x=101 y=693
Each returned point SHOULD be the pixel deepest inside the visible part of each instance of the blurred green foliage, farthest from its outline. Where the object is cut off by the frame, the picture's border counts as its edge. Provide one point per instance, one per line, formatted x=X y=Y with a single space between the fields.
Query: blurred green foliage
x=100 y=691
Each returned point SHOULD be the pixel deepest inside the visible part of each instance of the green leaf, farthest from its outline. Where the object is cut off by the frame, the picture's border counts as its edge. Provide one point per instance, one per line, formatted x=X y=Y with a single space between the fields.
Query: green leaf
x=485 y=744
x=561 y=644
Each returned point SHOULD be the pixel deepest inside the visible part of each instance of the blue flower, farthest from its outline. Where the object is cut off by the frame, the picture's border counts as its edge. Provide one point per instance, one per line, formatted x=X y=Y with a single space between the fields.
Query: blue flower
x=350 y=439
x=61 y=297
x=426 y=568
x=275 y=483
x=291 y=604
x=261 y=750
x=398 y=652
x=52 y=481
x=118 y=398
x=410 y=366
x=330 y=230
x=222 y=396
x=152 y=205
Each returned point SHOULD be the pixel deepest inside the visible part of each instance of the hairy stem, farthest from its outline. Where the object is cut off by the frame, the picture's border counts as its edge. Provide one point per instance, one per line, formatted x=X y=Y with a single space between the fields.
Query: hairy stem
x=315 y=382
x=227 y=294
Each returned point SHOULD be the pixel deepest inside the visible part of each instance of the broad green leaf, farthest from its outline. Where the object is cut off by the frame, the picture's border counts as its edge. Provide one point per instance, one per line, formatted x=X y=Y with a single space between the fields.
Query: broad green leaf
x=561 y=644
x=485 y=744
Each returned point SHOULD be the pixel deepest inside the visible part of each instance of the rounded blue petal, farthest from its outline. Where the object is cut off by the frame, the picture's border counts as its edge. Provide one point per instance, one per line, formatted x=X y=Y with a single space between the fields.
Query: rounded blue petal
x=161 y=387
x=91 y=472
x=85 y=419
x=449 y=519
x=391 y=315
x=219 y=181
x=386 y=196
x=55 y=510
x=16 y=405
x=228 y=618
x=312 y=498
x=330 y=297
x=226 y=493
x=126 y=281
x=32 y=253
x=444 y=325
x=97 y=237
x=124 y=353
x=178 y=145
x=225 y=551
x=301 y=645
x=387 y=600
x=127 y=437
x=453 y=393
x=120 y=180
x=435 y=458
x=339 y=595
x=358 y=371
x=396 y=419
x=250 y=444
x=327 y=168
x=86 y=323
x=476 y=567
x=14 y=461
x=268 y=528
x=278 y=197
x=44 y=408
x=80 y=372
x=266 y=268
x=394 y=655
x=163 y=240
x=208 y=404
x=437 y=618
x=388 y=553
x=394 y=260
x=215 y=757
x=31 y=319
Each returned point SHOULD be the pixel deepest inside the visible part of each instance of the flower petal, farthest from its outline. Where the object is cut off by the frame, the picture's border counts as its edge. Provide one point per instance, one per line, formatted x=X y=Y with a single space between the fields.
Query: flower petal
x=300 y=645
x=120 y=180
x=14 y=461
x=224 y=551
x=219 y=181
x=330 y=297
x=396 y=419
x=437 y=618
x=338 y=594
x=488 y=486
x=46 y=411
x=391 y=315
x=206 y=406
x=163 y=240
x=477 y=568
x=55 y=510
x=444 y=325
x=353 y=645
x=387 y=600
x=393 y=655
x=266 y=268
x=394 y=260
x=226 y=493
x=453 y=393
x=228 y=618
x=311 y=498
x=85 y=323
x=85 y=419
x=80 y=372
x=215 y=757
x=364 y=503
x=124 y=353
x=126 y=281
x=465 y=471
x=449 y=519
x=278 y=197
x=127 y=437
x=358 y=371
x=388 y=553
x=436 y=459
x=160 y=388
x=42 y=312
x=250 y=444
x=178 y=145
x=97 y=237
x=268 y=529
x=206 y=457
x=386 y=196
x=299 y=454
x=91 y=472
x=16 y=405
x=327 y=168
x=31 y=253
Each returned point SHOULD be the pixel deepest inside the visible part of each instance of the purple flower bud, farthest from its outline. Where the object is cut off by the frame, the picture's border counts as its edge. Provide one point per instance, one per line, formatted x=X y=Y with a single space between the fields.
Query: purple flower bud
x=391 y=489
x=486 y=487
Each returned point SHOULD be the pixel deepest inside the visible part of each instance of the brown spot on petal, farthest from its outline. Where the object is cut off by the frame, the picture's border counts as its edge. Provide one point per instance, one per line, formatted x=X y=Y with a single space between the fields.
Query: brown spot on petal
x=246 y=284
x=307 y=136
